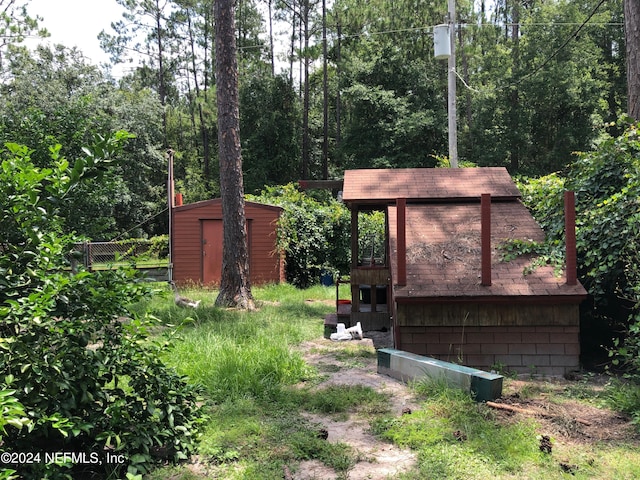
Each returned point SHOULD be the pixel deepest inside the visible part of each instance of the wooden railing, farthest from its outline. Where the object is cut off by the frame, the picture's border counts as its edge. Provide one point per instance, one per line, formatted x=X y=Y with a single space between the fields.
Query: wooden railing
x=371 y=277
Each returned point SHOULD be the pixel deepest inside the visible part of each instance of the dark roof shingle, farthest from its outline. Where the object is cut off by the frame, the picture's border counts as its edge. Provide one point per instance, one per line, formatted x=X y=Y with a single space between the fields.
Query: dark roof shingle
x=444 y=254
x=371 y=186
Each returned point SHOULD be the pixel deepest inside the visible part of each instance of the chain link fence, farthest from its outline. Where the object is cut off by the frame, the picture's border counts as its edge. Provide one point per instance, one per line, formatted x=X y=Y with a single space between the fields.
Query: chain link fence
x=142 y=253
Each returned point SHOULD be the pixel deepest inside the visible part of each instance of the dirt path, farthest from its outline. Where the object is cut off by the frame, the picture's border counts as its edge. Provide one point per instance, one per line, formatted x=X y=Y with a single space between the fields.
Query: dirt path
x=355 y=363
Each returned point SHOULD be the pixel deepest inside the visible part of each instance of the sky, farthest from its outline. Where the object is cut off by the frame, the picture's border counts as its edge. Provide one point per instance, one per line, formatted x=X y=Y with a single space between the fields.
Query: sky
x=77 y=23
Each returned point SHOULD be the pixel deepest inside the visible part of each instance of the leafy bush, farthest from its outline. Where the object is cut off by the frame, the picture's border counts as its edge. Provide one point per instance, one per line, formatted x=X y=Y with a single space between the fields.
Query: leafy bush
x=11 y=414
x=314 y=235
x=607 y=185
x=371 y=235
x=75 y=356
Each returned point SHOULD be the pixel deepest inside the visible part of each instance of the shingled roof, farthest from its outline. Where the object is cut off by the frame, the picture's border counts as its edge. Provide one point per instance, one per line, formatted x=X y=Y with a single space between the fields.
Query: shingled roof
x=443 y=254
x=443 y=233
x=383 y=186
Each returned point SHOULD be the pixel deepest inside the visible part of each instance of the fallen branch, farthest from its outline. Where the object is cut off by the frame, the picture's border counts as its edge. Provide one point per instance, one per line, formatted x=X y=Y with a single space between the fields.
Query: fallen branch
x=511 y=408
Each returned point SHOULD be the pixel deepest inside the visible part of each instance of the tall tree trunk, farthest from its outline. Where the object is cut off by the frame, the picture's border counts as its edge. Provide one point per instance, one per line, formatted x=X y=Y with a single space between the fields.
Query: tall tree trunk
x=338 y=106
x=235 y=285
x=271 y=52
x=514 y=107
x=203 y=127
x=292 y=53
x=632 y=39
x=161 y=86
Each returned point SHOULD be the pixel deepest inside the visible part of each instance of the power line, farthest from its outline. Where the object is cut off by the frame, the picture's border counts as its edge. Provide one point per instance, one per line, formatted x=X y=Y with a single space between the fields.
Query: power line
x=558 y=50
x=140 y=224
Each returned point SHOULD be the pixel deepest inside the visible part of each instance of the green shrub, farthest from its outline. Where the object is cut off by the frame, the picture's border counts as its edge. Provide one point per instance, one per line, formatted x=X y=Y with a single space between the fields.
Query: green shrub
x=315 y=235
x=77 y=359
x=607 y=185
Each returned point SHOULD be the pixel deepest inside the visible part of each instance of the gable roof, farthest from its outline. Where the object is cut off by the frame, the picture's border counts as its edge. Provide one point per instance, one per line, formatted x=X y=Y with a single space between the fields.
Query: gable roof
x=383 y=186
x=443 y=254
x=218 y=202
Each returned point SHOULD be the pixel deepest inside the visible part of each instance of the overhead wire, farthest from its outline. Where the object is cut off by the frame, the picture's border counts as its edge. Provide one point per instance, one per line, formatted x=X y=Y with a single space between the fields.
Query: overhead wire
x=558 y=50
x=148 y=219
x=429 y=28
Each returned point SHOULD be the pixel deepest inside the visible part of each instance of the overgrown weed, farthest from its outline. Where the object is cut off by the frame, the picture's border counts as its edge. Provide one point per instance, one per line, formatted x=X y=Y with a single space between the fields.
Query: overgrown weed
x=260 y=388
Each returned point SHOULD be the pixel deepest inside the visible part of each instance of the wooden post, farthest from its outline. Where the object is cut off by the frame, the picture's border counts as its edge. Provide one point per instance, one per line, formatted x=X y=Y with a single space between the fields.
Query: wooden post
x=570 y=238
x=485 y=238
x=401 y=217
x=355 y=289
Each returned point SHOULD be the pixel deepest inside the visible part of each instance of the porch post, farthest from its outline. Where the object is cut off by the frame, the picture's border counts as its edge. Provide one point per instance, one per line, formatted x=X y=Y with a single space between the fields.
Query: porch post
x=401 y=217
x=570 y=237
x=485 y=238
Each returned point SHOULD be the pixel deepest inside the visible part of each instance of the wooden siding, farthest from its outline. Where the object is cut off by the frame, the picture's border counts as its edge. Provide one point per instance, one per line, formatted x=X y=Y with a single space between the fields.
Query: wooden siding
x=266 y=263
x=486 y=314
x=522 y=338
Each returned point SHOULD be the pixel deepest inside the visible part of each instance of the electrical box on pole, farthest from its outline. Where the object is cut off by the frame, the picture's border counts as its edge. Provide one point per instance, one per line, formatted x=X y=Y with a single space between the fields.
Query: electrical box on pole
x=444 y=47
x=441 y=42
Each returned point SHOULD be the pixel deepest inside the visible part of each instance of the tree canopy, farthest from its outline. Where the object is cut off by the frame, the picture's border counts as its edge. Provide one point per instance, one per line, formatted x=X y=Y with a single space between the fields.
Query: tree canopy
x=537 y=80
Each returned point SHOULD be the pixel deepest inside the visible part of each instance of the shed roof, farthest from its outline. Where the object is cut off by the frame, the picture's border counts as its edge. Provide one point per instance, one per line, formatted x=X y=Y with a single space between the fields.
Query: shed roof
x=444 y=256
x=383 y=186
x=218 y=201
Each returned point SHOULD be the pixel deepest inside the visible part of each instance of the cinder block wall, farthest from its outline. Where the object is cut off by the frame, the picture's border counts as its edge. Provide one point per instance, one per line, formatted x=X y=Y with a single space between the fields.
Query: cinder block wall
x=541 y=350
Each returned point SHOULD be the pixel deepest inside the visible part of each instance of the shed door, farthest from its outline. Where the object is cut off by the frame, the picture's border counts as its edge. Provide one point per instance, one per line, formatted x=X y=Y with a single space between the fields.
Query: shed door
x=211 y=251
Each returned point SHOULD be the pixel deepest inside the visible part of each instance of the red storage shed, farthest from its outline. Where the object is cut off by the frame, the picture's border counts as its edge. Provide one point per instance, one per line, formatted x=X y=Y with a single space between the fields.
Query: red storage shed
x=196 y=246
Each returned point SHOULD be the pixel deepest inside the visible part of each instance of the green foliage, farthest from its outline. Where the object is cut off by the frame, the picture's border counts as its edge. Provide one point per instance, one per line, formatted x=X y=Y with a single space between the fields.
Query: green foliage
x=11 y=410
x=75 y=356
x=607 y=185
x=451 y=434
x=268 y=122
x=143 y=249
x=393 y=119
x=346 y=398
x=371 y=235
x=542 y=253
x=533 y=101
x=543 y=196
x=313 y=234
x=53 y=99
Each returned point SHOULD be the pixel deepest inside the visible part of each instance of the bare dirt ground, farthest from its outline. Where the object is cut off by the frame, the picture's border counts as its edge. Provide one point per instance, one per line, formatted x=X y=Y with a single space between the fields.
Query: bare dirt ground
x=377 y=459
x=569 y=421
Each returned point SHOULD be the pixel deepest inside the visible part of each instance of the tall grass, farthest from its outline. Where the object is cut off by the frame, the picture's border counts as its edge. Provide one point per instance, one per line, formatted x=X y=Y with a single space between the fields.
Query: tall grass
x=236 y=354
x=248 y=361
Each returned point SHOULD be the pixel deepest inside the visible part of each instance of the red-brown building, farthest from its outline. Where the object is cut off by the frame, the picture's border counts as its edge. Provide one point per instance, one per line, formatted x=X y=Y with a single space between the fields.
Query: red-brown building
x=448 y=296
x=196 y=243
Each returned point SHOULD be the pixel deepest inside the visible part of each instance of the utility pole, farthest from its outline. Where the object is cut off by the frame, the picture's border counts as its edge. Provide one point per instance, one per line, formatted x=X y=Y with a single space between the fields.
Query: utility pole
x=451 y=103
x=325 y=95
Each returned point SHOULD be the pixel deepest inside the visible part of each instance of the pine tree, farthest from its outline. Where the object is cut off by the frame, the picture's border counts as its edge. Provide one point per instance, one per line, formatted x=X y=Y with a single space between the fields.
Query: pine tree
x=235 y=285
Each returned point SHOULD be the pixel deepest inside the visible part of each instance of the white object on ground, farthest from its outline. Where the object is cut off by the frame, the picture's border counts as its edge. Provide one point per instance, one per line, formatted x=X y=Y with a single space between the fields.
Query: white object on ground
x=343 y=333
x=356 y=331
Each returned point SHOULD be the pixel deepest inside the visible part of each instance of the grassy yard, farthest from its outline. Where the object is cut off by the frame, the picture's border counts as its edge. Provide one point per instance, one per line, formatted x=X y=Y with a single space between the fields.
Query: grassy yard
x=268 y=406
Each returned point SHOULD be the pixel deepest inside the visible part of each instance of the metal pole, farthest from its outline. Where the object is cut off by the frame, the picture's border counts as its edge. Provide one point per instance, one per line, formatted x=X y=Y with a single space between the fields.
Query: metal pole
x=170 y=205
x=453 y=133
